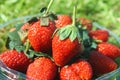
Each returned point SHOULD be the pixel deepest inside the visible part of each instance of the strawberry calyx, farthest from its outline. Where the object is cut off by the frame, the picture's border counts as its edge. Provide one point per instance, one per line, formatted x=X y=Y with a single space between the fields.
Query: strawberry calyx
x=70 y=31
x=46 y=15
x=33 y=54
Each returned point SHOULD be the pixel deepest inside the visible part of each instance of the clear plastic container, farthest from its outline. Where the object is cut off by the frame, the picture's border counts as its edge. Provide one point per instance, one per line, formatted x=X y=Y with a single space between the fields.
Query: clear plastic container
x=9 y=74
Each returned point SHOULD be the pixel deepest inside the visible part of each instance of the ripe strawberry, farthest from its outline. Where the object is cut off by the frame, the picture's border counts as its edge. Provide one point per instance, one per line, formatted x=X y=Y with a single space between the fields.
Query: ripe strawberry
x=42 y=69
x=101 y=64
x=64 y=50
x=63 y=20
x=86 y=23
x=80 y=70
x=99 y=35
x=40 y=36
x=15 y=60
x=66 y=44
x=109 y=50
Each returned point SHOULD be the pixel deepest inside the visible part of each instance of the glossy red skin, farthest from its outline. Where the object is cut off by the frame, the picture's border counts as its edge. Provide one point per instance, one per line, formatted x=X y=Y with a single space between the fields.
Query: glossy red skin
x=80 y=70
x=15 y=60
x=99 y=35
x=109 y=50
x=63 y=20
x=101 y=64
x=64 y=50
x=42 y=69
x=86 y=23
x=40 y=36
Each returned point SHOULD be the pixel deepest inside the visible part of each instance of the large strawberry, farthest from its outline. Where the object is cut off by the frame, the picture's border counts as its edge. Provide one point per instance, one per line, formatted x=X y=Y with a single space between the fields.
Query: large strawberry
x=15 y=60
x=85 y=23
x=99 y=35
x=42 y=69
x=40 y=36
x=80 y=70
x=63 y=20
x=40 y=32
x=101 y=64
x=66 y=44
x=109 y=50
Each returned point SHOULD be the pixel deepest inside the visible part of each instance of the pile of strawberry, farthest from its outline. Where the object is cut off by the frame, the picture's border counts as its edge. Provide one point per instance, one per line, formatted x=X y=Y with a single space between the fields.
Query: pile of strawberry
x=53 y=47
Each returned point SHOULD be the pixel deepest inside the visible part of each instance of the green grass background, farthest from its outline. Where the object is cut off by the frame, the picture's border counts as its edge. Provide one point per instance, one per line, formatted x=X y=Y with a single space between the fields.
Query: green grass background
x=105 y=12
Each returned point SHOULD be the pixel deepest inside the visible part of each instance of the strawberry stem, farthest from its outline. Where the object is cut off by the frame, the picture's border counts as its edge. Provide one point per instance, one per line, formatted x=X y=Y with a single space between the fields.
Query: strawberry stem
x=48 y=7
x=74 y=16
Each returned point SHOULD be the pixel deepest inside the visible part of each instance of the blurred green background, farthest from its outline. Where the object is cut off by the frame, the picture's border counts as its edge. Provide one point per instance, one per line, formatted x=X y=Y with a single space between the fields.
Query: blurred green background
x=105 y=12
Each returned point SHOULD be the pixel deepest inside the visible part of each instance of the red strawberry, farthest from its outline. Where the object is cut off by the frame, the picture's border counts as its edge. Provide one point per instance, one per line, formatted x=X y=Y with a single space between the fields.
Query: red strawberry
x=66 y=44
x=63 y=20
x=80 y=70
x=40 y=36
x=109 y=50
x=64 y=50
x=101 y=64
x=15 y=60
x=99 y=35
x=86 y=23
x=42 y=69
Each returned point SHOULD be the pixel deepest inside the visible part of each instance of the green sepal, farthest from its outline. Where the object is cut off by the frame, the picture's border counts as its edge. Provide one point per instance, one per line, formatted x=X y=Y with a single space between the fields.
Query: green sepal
x=44 y=21
x=29 y=54
x=86 y=39
x=15 y=41
x=93 y=45
x=20 y=48
x=33 y=54
x=117 y=60
x=70 y=32
x=18 y=26
x=64 y=32
x=74 y=34
x=85 y=35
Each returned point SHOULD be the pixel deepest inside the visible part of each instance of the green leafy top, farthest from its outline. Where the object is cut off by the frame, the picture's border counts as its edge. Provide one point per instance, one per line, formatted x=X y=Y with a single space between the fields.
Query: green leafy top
x=70 y=31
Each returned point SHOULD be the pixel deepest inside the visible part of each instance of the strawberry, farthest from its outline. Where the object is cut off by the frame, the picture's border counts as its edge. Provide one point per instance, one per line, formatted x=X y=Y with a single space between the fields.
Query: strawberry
x=66 y=44
x=99 y=35
x=109 y=50
x=15 y=60
x=63 y=20
x=80 y=70
x=85 y=23
x=42 y=69
x=40 y=32
x=101 y=64
x=64 y=48
x=40 y=36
